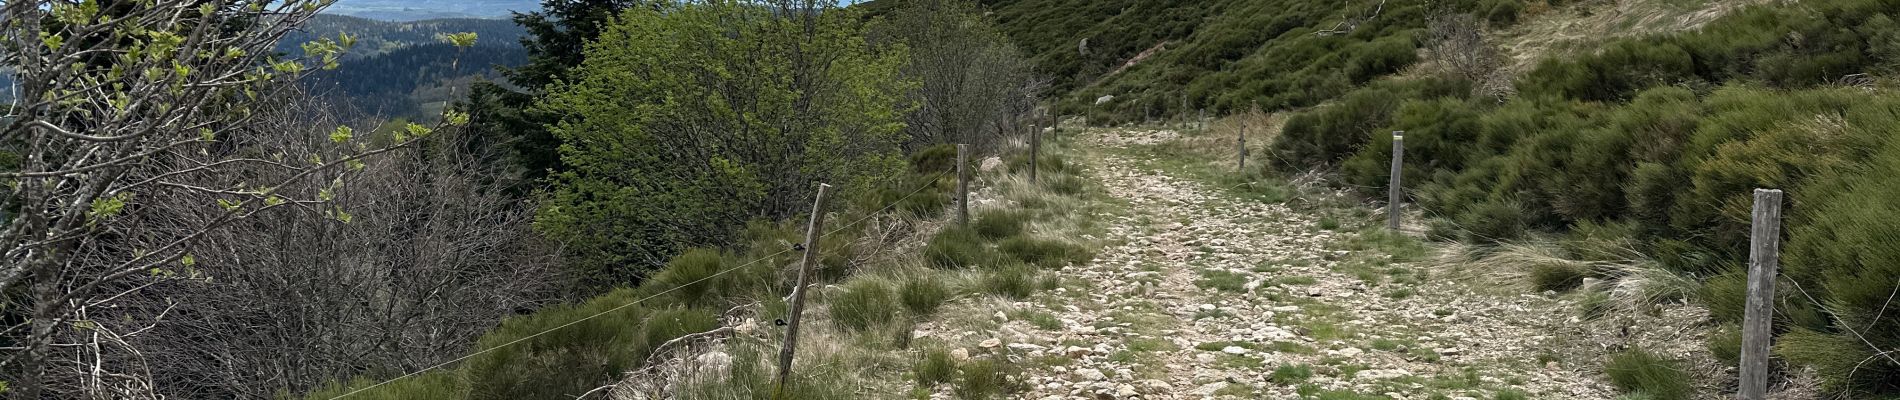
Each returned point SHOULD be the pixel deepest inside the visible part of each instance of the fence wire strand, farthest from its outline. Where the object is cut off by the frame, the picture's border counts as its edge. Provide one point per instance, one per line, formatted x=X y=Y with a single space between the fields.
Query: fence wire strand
x=927 y=185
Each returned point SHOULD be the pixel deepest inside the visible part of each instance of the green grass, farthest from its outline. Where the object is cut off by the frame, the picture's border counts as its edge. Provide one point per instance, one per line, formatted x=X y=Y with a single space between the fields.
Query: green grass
x=996 y=224
x=984 y=379
x=863 y=303
x=1640 y=371
x=1291 y=374
x=923 y=294
x=1557 y=277
x=935 y=367
x=1016 y=282
x=1222 y=280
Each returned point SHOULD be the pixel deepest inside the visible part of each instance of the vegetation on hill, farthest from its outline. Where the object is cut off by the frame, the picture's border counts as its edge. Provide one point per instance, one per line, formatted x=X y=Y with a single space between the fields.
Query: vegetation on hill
x=1222 y=56
x=402 y=69
x=686 y=134
x=1660 y=140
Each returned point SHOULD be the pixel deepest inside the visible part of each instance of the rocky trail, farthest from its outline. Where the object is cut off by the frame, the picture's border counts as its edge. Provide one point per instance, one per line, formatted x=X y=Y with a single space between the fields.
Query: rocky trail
x=1203 y=294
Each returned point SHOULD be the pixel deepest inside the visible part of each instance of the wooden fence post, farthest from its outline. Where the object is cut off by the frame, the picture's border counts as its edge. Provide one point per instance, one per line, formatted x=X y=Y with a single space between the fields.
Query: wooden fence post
x=963 y=184
x=1055 y=122
x=1035 y=152
x=1764 y=258
x=1394 y=196
x=1243 y=148
x=812 y=231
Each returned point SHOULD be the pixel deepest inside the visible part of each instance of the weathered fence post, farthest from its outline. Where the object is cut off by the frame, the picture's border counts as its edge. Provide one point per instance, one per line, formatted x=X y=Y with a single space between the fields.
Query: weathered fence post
x=1394 y=189
x=1055 y=122
x=1764 y=257
x=1035 y=153
x=1243 y=148
x=1200 y=118
x=812 y=232
x=963 y=184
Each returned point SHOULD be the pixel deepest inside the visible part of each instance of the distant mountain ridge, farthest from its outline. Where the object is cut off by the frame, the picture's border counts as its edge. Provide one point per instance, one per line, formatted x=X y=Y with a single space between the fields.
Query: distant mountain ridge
x=415 y=10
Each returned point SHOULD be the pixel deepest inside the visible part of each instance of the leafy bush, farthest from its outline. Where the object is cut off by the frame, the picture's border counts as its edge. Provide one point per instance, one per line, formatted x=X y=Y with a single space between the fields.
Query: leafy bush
x=697 y=185
x=864 y=303
x=1381 y=57
x=936 y=367
x=939 y=158
x=1639 y=371
x=923 y=294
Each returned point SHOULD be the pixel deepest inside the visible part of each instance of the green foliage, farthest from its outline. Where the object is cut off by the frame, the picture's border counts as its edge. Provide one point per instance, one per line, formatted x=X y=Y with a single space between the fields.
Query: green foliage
x=1511 y=394
x=587 y=352
x=936 y=367
x=863 y=303
x=1381 y=57
x=650 y=174
x=1494 y=221
x=923 y=294
x=1725 y=342
x=1846 y=364
x=941 y=158
x=1639 y=371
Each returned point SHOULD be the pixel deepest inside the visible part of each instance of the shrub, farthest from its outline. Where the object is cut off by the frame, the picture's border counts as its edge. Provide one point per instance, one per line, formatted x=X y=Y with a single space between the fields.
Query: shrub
x=1017 y=282
x=923 y=294
x=1501 y=13
x=1639 y=371
x=936 y=367
x=864 y=303
x=1559 y=277
x=957 y=247
x=1494 y=221
x=1381 y=57
x=1845 y=364
x=940 y=158
x=999 y=223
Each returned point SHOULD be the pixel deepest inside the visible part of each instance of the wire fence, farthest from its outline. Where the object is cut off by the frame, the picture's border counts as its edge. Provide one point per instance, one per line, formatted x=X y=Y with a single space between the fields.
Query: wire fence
x=920 y=189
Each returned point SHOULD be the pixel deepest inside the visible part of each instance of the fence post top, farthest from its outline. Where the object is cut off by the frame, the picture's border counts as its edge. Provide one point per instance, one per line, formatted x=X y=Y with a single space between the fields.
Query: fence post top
x=1767 y=191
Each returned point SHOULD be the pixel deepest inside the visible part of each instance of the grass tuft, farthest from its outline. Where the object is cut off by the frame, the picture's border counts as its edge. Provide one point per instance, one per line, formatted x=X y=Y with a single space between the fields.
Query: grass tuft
x=1640 y=371
x=923 y=294
x=863 y=303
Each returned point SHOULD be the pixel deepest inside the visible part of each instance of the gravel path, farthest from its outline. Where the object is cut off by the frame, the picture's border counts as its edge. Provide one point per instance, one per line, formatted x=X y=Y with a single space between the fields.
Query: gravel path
x=1204 y=295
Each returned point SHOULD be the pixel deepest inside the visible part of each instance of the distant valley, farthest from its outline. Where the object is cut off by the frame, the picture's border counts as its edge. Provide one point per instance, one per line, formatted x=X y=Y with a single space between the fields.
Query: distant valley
x=399 y=69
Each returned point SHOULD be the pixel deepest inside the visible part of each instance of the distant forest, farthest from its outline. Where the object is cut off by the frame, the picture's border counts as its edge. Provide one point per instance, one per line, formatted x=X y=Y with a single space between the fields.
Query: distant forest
x=400 y=69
